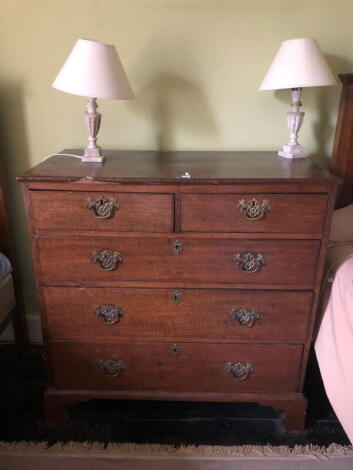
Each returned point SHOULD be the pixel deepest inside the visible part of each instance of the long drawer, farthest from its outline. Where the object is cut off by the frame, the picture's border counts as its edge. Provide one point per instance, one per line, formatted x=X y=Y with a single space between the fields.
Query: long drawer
x=79 y=259
x=271 y=213
x=103 y=313
x=122 y=212
x=181 y=367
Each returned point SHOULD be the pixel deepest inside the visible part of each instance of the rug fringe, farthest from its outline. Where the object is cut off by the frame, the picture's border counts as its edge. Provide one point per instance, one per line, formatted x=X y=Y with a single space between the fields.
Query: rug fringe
x=90 y=449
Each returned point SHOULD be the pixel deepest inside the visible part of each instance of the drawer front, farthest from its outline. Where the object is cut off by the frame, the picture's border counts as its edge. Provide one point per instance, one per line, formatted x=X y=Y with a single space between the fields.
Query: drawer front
x=122 y=212
x=272 y=213
x=103 y=313
x=285 y=262
x=181 y=367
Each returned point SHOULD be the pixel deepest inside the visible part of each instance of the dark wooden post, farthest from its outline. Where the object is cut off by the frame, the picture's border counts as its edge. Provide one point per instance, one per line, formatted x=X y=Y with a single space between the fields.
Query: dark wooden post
x=342 y=156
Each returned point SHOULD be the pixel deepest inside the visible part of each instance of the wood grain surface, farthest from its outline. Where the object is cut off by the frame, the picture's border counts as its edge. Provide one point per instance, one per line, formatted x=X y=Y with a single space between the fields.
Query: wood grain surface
x=200 y=313
x=295 y=213
x=153 y=259
x=152 y=366
x=136 y=212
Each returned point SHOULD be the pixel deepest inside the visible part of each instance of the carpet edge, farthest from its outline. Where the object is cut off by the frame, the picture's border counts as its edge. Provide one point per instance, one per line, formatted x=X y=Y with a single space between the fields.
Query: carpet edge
x=91 y=449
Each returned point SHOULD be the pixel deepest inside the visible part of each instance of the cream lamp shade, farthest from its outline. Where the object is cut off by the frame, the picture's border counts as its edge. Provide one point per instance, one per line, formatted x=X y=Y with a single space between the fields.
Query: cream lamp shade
x=93 y=69
x=298 y=63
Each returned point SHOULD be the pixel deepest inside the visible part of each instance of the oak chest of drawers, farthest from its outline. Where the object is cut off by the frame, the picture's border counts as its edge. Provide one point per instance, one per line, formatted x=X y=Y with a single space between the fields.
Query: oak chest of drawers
x=158 y=286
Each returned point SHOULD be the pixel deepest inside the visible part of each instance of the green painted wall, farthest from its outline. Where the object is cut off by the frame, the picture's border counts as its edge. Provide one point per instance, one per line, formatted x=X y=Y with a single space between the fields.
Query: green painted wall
x=195 y=66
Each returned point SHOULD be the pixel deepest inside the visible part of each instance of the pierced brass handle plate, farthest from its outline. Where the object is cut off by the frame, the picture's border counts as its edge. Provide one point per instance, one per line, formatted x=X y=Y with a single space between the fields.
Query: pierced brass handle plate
x=252 y=209
x=249 y=262
x=101 y=207
x=112 y=367
x=239 y=370
x=107 y=260
x=245 y=317
x=110 y=314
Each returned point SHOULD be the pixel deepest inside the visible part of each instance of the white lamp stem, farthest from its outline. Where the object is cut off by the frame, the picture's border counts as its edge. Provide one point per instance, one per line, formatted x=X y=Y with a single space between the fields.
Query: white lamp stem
x=93 y=153
x=295 y=119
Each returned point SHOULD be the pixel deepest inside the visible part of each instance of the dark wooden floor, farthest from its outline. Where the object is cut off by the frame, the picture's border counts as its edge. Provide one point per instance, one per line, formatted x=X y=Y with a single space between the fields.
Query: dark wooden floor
x=23 y=381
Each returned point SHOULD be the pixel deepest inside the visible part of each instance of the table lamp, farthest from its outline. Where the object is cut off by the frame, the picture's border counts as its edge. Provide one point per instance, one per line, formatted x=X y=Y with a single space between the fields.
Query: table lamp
x=93 y=69
x=299 y=63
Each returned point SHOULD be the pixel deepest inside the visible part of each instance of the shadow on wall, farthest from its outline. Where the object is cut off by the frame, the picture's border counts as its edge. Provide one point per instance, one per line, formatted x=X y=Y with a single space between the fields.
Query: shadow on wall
x=173 y=103
x=14 y=152
x=324 y=101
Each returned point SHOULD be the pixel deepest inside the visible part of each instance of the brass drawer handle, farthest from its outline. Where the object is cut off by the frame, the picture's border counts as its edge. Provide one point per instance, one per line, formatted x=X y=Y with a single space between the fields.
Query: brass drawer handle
x=245 y=317
x=101 y=207
x=112 y=368
x=252 y=209
x=239 y=370
x=107 y=260
x=109 y=313
x=249 y=262
x=177 y=247
x=177 y=297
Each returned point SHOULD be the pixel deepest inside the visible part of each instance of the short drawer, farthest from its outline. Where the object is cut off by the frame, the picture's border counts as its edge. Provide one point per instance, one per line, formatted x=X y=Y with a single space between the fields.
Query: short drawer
x=271 y=213
x=118 y=313
x=121 y=212
x=109 y=259
x=175 y=367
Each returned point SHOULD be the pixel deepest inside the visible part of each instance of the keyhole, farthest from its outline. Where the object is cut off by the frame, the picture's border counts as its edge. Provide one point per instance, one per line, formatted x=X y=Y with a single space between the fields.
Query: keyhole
x=176 y=350
x=176 y=297
x=177 y=247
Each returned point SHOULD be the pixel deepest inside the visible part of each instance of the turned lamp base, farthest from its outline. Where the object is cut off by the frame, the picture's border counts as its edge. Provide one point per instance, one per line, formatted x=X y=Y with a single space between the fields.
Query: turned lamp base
x=93 y=156
x=295 y=119
x=93 y=153
x=292 y=151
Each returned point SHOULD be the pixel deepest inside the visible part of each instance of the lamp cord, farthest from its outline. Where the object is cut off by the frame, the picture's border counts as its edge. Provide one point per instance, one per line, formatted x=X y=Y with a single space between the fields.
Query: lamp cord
x=61 y=154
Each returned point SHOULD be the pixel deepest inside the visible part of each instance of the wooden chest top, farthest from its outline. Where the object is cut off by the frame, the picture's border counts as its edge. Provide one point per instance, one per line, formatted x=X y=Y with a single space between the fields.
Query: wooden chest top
x=155 y=167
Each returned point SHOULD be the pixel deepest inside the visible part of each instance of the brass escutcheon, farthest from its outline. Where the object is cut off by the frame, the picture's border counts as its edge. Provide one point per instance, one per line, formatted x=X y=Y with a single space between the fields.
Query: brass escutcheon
x=175 y=350
x=177 y=247
x=177 y=297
